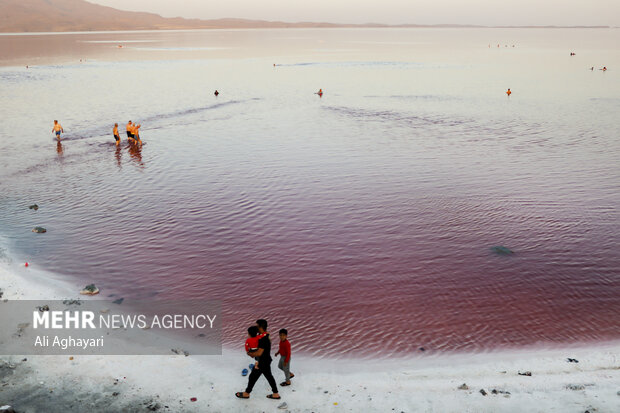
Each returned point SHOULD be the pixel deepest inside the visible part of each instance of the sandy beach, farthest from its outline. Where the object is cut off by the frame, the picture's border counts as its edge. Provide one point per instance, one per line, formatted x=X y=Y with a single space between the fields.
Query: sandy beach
x=417 y=384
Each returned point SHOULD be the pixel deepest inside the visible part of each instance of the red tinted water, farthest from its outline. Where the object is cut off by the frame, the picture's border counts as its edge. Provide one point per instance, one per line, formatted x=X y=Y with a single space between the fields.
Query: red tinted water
x=363 y=223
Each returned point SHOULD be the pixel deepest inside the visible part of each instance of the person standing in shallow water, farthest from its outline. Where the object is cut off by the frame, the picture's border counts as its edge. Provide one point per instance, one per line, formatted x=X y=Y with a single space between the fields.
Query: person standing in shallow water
x=264 y=364
x=129 y=131
x=115 y=133
x=57 y=129
x=508 y=92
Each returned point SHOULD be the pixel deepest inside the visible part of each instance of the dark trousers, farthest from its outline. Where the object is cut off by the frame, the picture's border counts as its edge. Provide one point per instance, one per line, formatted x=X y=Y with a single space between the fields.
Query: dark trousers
x=264 y=369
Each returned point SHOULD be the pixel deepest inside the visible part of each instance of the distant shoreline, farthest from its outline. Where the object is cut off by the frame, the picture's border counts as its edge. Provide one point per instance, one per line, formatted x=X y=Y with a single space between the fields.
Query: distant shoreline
x=295 y=27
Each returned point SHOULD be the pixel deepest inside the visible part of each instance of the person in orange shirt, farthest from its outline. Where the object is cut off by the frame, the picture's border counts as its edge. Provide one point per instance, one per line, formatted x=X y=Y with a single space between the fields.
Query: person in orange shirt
x=508 y=92
x=116 y=136
x=57 y=129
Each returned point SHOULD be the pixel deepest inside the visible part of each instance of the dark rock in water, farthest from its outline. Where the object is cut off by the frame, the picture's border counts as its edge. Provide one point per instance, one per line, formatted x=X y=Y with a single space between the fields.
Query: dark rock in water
x=35 y=207
x=463 y=387
x=153 y=406
x=90 y=287
x=72 y=302
x=575 y=387
x=119 y=301
x=39 y=230
x=6 y=409
x=501 y=250
x=422 y=349
x=525 y=373
x=495 y=391
x=483 y=392
x=43 y=308
x=572 y=360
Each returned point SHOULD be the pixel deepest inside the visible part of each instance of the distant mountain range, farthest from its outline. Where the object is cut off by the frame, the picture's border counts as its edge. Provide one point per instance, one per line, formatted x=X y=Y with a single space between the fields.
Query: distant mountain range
x=18 y=16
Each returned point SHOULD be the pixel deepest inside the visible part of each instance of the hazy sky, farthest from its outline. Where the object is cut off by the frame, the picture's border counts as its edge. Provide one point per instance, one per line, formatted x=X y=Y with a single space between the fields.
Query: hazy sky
x=483 y=12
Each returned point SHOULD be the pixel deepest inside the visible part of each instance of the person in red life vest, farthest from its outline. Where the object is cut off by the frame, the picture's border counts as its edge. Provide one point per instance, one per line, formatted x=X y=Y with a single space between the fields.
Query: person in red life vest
x=285 y=357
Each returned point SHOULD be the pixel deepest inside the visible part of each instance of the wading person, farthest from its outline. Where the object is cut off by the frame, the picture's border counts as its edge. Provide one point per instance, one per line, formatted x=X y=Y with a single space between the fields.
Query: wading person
x=57 y=129
x=115 y=133
x=129 y=131
x=264 y=364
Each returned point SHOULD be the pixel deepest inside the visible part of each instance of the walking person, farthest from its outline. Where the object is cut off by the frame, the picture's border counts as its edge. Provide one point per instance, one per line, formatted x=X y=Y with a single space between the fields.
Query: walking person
x=285 y=357
x=57 y=129
x=264 y=364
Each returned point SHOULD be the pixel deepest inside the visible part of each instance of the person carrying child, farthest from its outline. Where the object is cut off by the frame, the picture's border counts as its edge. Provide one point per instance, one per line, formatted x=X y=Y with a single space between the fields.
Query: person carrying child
x=285 y=357
x=264 y=364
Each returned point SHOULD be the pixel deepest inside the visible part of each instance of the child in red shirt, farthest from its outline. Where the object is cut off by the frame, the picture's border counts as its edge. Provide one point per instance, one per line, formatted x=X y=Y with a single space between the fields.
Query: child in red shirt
x=285 y=357
x=251 y=343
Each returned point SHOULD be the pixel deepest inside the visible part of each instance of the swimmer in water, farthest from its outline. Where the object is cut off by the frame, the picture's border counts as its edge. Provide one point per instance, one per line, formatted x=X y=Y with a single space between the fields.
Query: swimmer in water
x=57 y=129
x=320 y=92
x=216 y=93
x=115 y=133
x=508 y=92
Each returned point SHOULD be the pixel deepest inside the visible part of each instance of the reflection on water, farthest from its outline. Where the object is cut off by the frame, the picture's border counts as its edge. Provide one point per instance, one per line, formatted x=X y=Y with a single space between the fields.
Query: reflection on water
x=375 y=209
x=59 y=150
x=135 y=152
x=118 y=155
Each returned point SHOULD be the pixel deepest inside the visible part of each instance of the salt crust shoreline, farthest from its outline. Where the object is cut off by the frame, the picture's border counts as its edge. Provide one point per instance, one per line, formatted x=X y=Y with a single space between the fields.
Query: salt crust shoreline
x=424 y=383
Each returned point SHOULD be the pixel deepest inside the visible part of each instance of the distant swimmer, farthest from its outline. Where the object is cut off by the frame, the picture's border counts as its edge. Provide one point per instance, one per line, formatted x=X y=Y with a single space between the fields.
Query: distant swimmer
x=129 y=131
x=57 y=129
x=116 y=136
x=604 y=69
x=592 y=68
x=320 y=92
x=216 y=93
x=508 y=92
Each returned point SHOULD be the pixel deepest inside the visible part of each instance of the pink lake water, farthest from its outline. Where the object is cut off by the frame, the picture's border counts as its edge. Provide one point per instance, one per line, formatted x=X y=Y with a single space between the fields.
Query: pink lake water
x=362 y=221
